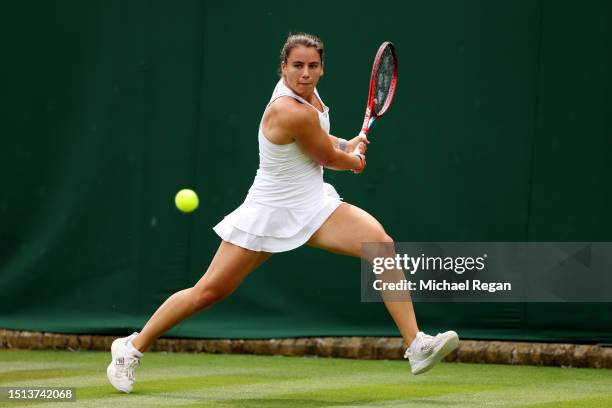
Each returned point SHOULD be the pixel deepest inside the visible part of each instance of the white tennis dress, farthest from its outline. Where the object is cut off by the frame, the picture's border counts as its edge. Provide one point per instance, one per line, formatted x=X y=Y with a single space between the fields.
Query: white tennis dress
x=288 y=201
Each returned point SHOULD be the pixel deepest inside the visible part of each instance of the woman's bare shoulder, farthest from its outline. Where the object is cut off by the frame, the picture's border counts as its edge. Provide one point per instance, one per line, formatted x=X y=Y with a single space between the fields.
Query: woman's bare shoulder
x=286 y=118
x=288 y=110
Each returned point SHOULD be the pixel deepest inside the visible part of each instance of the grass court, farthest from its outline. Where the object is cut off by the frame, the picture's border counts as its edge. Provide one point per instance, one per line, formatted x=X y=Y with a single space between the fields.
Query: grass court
x=233 y=381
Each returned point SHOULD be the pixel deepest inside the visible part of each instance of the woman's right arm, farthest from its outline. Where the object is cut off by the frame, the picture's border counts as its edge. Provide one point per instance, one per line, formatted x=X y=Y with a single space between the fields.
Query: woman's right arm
x=303 y=124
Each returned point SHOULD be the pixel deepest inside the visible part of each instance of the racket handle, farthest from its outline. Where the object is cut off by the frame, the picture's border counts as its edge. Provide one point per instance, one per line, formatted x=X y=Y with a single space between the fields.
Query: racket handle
x=356 y=149
x=366 y=127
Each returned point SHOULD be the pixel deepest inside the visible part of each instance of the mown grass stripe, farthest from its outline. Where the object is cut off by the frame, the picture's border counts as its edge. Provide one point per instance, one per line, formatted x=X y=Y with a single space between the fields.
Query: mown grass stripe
x=236 y=381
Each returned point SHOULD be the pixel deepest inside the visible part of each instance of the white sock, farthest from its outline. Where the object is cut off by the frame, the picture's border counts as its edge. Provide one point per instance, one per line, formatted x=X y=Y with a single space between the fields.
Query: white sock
x=133 y=349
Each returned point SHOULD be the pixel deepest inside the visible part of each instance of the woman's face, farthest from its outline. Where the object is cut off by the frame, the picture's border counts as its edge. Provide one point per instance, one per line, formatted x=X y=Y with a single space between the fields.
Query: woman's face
x=302 y=69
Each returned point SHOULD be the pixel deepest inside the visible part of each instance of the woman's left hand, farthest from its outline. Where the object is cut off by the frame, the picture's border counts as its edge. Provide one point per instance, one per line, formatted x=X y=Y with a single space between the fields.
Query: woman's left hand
x=360 y=141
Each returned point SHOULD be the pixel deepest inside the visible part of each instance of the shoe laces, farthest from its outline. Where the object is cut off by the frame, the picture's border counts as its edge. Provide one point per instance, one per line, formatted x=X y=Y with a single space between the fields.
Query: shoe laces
x=426 y=342
x=423 y=344
x=129 y=369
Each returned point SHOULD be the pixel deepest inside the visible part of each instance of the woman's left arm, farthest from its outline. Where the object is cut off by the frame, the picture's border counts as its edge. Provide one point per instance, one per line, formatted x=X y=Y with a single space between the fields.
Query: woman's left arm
x=349 y=145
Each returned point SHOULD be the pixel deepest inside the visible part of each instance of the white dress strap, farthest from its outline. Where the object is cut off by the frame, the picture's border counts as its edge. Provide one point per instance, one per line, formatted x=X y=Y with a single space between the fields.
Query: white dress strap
x=282 y=90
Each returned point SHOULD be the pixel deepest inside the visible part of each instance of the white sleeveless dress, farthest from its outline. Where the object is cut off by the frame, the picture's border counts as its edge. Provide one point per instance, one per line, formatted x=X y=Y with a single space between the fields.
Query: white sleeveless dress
x=288 y=201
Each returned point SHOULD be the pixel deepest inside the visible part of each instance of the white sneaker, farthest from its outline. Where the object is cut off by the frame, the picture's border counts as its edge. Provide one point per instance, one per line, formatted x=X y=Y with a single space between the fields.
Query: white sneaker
x=427 y=351
x=125 y=359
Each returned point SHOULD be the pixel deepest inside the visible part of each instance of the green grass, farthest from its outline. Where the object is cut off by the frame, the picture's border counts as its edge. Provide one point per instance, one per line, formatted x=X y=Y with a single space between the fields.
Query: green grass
x=236 y=381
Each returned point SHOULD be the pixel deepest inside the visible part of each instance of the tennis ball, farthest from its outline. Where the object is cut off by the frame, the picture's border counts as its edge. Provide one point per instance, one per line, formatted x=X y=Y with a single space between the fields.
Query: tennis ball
x=186 y=200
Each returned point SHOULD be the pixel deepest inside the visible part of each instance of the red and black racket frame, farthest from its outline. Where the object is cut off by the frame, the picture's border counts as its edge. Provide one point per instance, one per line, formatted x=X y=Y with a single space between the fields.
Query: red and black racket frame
x=370 y=114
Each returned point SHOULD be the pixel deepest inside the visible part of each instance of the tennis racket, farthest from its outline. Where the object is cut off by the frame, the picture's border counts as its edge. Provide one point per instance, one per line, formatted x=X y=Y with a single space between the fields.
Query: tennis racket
x=383 y=82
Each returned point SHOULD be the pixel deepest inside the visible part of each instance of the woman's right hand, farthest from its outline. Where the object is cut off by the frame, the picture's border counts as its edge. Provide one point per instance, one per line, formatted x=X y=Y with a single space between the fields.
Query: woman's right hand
x=358 y=141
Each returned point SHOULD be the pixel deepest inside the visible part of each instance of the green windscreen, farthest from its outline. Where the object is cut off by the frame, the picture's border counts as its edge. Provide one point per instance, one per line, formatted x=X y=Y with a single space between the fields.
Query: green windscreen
x=499 y=131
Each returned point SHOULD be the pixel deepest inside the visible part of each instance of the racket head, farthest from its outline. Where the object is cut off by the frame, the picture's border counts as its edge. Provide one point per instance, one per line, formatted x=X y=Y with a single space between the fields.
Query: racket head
x=383 y=80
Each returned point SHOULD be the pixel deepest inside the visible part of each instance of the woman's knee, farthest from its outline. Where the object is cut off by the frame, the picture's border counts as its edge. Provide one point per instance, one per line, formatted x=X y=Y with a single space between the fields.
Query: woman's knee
x=207 y=296
x=379 y=244
x=384 y=238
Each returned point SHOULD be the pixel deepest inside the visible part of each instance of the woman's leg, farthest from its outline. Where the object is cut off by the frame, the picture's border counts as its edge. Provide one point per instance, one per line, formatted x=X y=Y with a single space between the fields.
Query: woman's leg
x=230 y=265
x=343 y=232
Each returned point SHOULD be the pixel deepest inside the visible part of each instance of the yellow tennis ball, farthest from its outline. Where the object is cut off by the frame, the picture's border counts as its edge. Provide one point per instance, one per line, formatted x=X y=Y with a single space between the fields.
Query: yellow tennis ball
x=186 y=200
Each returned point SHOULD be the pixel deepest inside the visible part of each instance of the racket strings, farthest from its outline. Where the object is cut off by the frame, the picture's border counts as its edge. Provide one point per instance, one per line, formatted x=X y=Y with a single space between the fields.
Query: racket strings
x=383 y=79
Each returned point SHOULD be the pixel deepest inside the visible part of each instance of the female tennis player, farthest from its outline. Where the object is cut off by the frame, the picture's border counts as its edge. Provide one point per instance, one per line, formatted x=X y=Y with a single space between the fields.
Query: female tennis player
x=287 y=206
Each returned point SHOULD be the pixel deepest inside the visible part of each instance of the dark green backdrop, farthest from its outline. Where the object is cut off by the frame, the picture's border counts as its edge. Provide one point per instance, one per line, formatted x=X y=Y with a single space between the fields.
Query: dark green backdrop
x=500 y=131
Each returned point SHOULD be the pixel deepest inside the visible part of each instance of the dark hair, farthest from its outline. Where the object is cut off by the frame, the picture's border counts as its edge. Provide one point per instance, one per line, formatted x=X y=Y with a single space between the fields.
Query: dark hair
x=308 y=40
